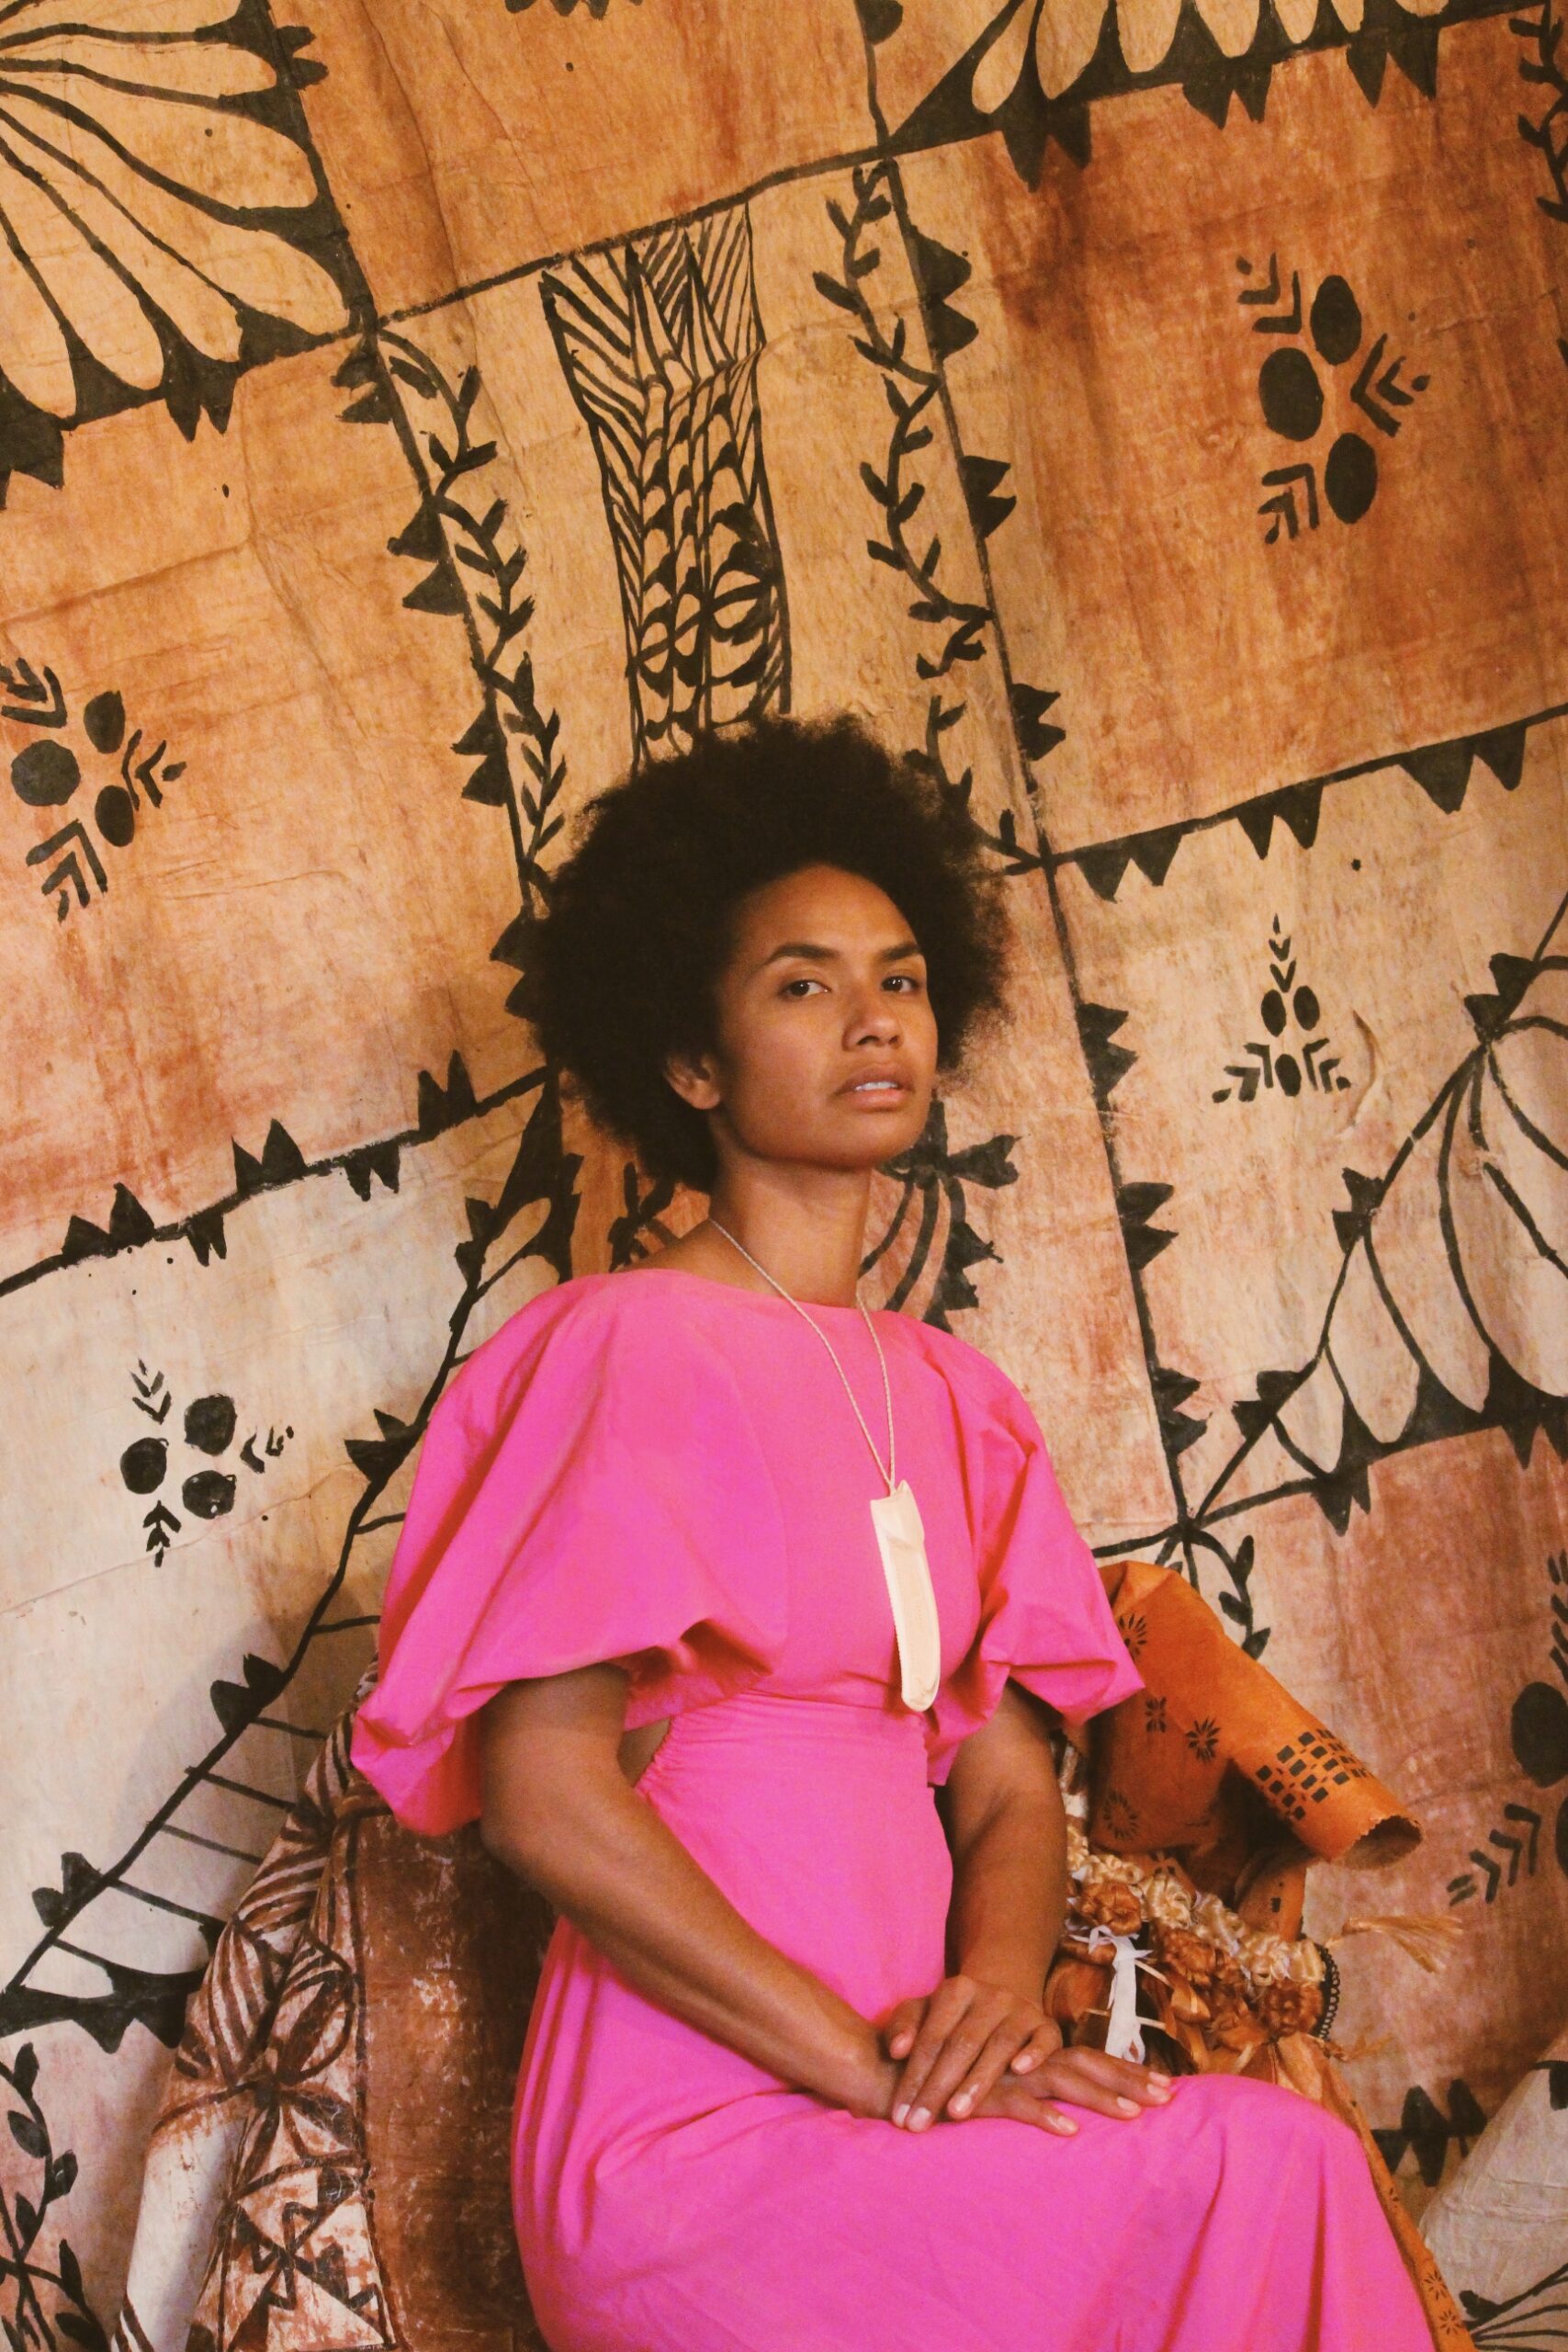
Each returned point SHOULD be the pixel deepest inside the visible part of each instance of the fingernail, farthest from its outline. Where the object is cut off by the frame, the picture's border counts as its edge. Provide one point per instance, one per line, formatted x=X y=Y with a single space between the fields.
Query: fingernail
x=1060 y=2123
x=1160 y=2091
x=1024 y=2060
x=1128 y=2105
x=919 y=2118
x=962 y=2104
x=1156 y=2076
x=901 y=2110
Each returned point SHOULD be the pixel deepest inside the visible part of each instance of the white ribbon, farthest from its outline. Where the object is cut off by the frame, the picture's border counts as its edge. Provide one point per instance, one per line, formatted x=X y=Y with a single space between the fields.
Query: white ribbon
x=1125 y=2034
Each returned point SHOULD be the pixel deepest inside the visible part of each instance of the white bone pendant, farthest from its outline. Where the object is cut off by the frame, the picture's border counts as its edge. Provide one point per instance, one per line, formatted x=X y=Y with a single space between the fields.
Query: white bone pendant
x=901 y=1540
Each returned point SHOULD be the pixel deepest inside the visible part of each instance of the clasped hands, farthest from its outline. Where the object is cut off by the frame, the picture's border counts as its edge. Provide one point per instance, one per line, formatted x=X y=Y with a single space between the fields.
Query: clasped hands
x=976 y=2049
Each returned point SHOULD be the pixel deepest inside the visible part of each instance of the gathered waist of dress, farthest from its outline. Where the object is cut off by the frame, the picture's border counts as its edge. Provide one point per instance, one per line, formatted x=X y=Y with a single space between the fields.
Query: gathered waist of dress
x=774 y=1719
x=814 y=1817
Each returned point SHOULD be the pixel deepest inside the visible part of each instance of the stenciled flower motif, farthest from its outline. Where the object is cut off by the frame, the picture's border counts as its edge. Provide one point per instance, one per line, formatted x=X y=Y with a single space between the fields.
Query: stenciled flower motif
x=1203 y=1739
x=140 y=158
x=1134 y=1632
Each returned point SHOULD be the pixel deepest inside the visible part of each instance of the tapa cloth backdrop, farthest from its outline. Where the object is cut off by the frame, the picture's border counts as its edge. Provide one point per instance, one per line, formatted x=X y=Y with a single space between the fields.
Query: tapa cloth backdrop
x=1151 y=415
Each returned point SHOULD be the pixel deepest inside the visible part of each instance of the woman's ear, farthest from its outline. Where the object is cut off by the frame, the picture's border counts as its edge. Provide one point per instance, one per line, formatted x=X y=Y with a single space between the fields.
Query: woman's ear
x=690 y=1077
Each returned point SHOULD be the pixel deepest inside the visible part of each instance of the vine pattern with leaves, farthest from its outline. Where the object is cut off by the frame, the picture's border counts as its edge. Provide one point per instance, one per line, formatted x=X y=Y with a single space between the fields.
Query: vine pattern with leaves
x=1543 y=31
x=450 y=532
x=910 y=388
x=24 y=2273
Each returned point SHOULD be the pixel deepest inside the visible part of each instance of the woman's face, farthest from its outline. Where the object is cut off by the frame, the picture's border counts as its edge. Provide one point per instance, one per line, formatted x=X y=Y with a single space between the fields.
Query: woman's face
x=825 y=989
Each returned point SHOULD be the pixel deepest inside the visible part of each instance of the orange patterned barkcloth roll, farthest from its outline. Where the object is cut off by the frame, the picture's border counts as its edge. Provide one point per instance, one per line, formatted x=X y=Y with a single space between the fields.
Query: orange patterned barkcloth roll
x=1210 y=1792
x=1216 y=1757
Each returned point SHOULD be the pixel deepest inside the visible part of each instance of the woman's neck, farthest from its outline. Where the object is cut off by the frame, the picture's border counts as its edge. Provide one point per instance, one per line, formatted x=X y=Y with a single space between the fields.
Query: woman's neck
x=813 y=1260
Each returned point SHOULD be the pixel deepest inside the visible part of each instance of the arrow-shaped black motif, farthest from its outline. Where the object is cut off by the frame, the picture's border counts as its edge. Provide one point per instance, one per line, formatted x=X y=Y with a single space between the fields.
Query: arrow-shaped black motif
x=1388 y=389
x=31 y=691
x=142 y=772
x=1321 y=1074
x=1285 y=502
x=1283 y=321
x=69 y=870
x=1256 y=294
x=1248 y=1076
x=1521 y=1813
x=161 y=1525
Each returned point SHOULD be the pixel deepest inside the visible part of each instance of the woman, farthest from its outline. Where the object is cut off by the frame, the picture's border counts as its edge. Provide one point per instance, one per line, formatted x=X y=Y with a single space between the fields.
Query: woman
x=659 y=1619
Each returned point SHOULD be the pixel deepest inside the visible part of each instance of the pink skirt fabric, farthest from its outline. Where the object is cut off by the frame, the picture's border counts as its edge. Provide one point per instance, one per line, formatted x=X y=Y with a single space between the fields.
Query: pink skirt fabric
x=662 y=1470
x=670 y=2196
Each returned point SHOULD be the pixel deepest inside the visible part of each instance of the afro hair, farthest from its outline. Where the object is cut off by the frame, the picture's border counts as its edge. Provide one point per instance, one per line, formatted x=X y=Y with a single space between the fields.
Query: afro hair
x=620 y=971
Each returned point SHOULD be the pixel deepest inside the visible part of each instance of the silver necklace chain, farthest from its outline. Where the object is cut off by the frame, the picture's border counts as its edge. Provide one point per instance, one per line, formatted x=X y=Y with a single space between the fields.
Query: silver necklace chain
x=886 y=1386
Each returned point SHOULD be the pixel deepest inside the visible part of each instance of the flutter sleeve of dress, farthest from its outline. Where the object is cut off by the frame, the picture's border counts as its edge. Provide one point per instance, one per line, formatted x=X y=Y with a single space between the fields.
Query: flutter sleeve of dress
x=584 y=1494
x=1045 y=1618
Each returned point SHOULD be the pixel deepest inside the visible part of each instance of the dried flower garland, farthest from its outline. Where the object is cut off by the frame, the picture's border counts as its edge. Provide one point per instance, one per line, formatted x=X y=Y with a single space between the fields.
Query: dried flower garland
x=1202 y=1964
x=1218 y=1988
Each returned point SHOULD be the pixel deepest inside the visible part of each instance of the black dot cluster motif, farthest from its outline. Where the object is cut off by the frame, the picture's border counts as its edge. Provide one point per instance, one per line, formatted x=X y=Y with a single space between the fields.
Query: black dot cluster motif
x=48 y=773
x=1538 y=1728
x=1281 y=1060
x=211 y=1426
x=1292 y=396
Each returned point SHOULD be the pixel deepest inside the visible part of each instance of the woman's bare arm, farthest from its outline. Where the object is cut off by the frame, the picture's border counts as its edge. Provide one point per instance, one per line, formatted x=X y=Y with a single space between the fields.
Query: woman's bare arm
x=1009 y=1847
x=980 y=2044
x=558 y=1810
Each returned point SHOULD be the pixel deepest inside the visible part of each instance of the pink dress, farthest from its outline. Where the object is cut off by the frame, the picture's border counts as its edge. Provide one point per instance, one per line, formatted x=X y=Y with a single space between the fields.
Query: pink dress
x=664 y=1470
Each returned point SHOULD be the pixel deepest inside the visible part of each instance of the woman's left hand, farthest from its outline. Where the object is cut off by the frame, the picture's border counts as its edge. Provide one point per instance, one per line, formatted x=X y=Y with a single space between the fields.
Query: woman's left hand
x=959 y=2040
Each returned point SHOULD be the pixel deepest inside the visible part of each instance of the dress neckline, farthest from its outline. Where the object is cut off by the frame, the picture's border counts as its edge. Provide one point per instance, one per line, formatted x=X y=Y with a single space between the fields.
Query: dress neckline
x=739 y=1290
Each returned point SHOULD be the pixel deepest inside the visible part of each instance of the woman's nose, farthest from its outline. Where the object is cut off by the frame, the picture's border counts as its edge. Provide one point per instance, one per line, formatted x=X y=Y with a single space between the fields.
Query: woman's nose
x=879 y=1018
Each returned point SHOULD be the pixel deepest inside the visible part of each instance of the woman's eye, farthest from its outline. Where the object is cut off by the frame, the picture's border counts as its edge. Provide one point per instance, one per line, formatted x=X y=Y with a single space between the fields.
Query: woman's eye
x=911 y=979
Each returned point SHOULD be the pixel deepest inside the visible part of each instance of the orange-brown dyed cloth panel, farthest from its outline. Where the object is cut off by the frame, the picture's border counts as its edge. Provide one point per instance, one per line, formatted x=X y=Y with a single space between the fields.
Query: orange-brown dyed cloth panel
x=1149 y=416
x=1350 y=319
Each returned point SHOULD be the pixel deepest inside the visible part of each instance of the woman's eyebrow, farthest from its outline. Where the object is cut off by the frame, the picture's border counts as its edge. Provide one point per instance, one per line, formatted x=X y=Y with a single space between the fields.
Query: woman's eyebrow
x=830 y=955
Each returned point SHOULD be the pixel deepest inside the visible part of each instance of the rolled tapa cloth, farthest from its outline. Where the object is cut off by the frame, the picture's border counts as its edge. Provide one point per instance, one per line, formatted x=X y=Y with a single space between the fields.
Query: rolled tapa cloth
x=1214 y=1758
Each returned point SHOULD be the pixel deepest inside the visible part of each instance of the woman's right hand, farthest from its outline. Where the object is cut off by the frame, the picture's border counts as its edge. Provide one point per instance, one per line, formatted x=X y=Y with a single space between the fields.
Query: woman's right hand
x=1114 y=2087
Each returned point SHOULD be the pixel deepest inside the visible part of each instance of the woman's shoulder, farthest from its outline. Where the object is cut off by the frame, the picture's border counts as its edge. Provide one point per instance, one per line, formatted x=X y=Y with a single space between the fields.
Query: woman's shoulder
x=960 y=1359
x=981 y=1388
x=583 y=1328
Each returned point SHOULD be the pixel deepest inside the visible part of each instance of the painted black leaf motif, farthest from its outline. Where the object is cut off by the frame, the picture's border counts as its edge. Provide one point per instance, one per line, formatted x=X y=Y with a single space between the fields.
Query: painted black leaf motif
x=196 y=231
x=1466 y=1238
x=659 y=341
x=29 y=2135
